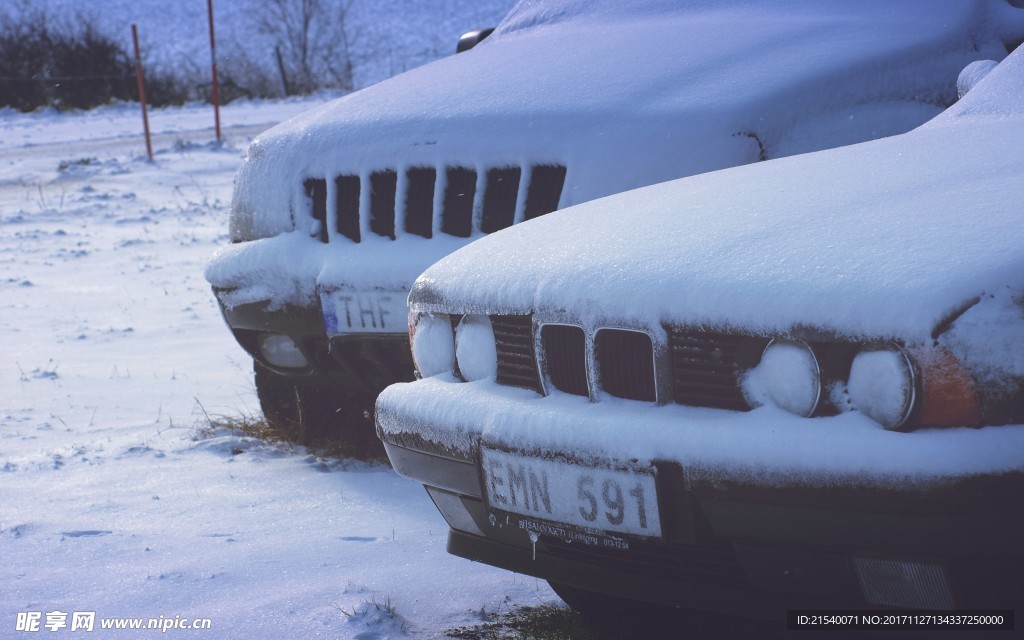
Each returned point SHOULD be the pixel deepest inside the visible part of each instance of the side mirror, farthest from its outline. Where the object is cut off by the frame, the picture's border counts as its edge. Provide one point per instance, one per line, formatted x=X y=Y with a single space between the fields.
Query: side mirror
x=469 y=40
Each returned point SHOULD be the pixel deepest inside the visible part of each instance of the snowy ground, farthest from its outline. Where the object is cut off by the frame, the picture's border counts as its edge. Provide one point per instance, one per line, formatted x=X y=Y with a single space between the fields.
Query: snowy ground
x=113 y=501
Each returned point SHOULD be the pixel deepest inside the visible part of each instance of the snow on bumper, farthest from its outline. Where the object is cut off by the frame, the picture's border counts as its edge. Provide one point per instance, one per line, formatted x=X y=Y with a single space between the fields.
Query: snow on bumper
x=342 y=305
x=762 y=447
x=293 y=268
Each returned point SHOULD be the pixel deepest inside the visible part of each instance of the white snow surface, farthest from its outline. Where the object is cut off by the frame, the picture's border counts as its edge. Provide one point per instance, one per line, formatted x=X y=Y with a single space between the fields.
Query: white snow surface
x=882 y=240
x=621 y=94
x=767 y=446
x=113 y=499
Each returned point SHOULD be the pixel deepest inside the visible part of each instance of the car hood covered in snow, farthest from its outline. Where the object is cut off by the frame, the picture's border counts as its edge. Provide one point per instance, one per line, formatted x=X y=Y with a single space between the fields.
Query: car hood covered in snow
x=888 y=239
x=618 y=92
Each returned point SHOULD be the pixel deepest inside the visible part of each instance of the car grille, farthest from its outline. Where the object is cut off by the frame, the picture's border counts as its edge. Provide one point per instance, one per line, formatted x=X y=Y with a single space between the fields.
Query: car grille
x=625 y=364
x=404 y=203
x=513 y=338
x=565 y=357
x=705 y=367
x=623 y=359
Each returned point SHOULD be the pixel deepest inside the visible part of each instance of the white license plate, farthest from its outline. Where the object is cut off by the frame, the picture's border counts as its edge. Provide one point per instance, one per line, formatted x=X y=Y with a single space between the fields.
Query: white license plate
x=610 y=500
x=364 y=312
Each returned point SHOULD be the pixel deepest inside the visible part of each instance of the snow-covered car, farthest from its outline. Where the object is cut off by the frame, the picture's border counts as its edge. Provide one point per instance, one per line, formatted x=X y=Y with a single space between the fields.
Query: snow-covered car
x=337 y=211
x=791 y=385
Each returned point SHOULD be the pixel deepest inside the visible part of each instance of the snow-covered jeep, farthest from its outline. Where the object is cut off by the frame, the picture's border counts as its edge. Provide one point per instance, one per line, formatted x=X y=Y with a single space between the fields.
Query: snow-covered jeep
x=816 y=401
x=335 y=212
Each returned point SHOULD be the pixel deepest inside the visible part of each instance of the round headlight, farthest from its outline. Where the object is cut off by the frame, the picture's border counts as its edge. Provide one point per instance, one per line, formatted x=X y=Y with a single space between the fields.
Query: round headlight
x=882 y=385
x=787 y=376
x=433 y=346
x=474 y=348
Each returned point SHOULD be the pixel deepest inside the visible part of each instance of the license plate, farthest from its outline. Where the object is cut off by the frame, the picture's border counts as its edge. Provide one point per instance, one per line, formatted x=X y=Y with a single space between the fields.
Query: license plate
x=364 y=312
x=589 y=498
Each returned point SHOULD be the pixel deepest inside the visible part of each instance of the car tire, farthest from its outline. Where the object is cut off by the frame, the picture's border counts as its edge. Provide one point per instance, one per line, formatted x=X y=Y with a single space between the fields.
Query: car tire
x=278 y=400
x=318 y=417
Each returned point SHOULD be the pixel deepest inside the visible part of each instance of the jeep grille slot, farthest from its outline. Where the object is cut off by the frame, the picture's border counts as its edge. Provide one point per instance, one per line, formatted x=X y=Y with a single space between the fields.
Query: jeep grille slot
x=517 y=364
x=500 y=199
x=347 y=200
x=625 y=364
x=407 y=206
x=706 y=368
x=565 y=357
x=382 y=202
x=419 y=201
x=457 y=216
x=546 y=181
x=316 y=191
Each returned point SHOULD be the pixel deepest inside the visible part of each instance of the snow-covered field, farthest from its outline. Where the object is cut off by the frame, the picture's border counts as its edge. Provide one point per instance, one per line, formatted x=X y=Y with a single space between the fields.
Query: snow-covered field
x=113 y=498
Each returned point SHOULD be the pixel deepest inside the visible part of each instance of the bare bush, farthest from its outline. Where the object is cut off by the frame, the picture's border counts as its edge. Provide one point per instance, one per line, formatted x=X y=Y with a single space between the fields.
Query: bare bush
x=48 y=64
x=70 y=65
x=313 y=43
x=164 y=87
x=241 y=76
x=88 y=68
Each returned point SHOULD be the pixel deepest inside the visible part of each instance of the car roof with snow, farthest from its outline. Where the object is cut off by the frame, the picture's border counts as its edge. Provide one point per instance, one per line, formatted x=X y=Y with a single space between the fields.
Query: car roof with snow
x=595 y=85
x=885 y=239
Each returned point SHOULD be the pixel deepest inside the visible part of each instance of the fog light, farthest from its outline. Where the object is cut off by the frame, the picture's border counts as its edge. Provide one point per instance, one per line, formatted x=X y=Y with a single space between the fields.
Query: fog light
x=281 y=351
x=474 y=348
x=787 y=376
x=454 y=511
x=896 y=583
x=433 y=345
x=882 y=386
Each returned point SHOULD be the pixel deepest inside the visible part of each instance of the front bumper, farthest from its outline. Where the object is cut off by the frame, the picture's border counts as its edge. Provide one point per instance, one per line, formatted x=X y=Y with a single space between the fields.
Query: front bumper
x=284 y=284
x=360 y=363
x=731 y=543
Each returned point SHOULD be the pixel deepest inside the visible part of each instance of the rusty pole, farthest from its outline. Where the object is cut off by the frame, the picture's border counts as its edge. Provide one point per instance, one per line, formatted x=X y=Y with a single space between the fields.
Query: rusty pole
x=142 y=91
x=213 y=58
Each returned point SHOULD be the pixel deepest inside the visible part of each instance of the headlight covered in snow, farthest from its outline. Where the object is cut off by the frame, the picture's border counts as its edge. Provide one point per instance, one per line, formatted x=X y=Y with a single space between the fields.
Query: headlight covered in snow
x=474 y=348
x=882 y=385
x=788 y=376
x=467 y=350
x=898 y=387
x=433 y=344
